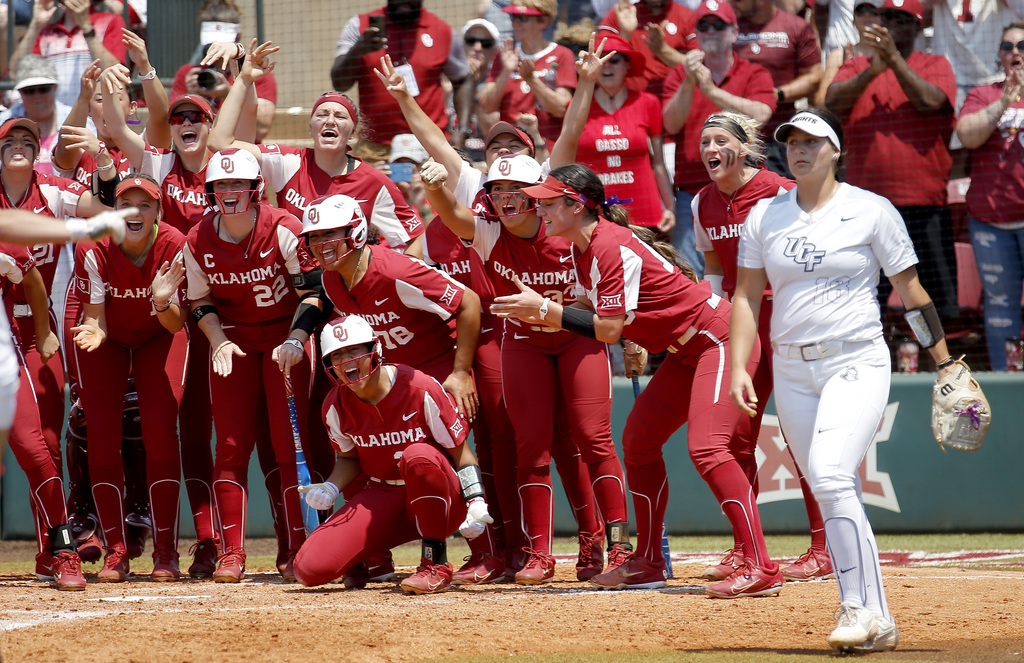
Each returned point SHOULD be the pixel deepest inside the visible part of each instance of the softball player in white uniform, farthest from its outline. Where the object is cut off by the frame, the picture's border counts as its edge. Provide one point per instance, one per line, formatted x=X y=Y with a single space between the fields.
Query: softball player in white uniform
x=821 y=245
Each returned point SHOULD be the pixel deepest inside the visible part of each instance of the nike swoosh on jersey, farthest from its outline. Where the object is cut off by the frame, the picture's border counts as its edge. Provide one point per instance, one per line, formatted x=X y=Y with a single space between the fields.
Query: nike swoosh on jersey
x=564 y=258
x=378 y=302
x=486 y=329
x=407 y=417
x=40 y=210
x=518 y=337
x=846 y=219
x=264 y=254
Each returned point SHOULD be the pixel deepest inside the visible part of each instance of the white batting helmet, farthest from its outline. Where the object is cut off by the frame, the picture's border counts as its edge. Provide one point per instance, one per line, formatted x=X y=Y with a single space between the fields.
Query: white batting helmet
x=511 y=168
x=332 y=212
x=233 y=164
x=343 y=333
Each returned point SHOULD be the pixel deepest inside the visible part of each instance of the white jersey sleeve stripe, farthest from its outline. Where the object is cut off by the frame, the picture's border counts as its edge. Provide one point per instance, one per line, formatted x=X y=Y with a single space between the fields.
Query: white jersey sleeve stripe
x=9 y=269
x=333 y=421
x=413 y=297
x=289 y=245
x=198 y=282
x=97 y=286
x=438 y=428
x=385 y=219
x=632 y=265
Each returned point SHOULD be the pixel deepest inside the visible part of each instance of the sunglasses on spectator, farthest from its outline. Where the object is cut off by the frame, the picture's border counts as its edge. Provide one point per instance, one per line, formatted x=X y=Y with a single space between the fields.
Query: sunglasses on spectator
x=38 y=89
x=617 y=58
x=193 y=116
x=719 y=26
x=483 y=41
x=1008 y=46
x=865 y=9
x=898 y=17
x=522 y=18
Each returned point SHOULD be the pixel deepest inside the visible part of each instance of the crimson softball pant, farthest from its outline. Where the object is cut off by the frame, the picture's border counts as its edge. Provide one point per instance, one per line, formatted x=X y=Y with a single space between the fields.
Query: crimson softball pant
x=495 y=441
x=195 y=426
x=381 y=516
x=255 y=381
x=690 y=387
x=158 y=366
x=45 y=484
x=569 y=373
x=47 y=380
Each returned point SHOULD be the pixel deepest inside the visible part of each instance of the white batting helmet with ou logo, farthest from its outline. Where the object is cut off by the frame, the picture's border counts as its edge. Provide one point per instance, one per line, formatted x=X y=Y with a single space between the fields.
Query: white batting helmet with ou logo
x=233 y=164
x=344 y=333
x=336 y=212
x=515 y=168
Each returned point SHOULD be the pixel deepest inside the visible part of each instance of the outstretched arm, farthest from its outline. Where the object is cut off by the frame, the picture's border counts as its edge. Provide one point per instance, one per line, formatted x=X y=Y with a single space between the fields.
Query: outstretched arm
x=459 y=218
x=129 y=142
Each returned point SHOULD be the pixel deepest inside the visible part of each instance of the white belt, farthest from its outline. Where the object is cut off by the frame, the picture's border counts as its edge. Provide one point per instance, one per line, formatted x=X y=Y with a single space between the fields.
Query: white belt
x=810 y=352
x=390 y=482
x=22 y=311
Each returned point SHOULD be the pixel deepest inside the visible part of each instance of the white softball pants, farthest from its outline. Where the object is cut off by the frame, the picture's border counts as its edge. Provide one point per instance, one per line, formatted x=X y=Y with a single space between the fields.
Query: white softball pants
x=829 y=410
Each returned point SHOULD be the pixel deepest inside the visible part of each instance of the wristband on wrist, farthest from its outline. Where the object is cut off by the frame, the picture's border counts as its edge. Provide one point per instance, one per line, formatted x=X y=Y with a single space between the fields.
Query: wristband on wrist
x=544 y=308
x=107 y=167
x=239 y=51
x=150 y=76
x=945 y=363
x=89 y=34
x=199 y=312
x=296 y=343
x=161 y=308
x=779 y=96
x=471 y=482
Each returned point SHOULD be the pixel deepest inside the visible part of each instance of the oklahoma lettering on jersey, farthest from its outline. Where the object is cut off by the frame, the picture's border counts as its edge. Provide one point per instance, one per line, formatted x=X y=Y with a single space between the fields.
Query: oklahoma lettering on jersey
x=292 y=172
x=541 y=262
x=48 y=195
x=409 y=305
x=417 y=409
x=184 y=199
x=624 y=276
x=718 y=219
x=104 y=275
x=250 y=282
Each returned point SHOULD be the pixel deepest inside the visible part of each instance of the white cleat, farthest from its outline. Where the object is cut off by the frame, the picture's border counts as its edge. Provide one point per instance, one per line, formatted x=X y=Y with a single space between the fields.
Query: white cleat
x=886 y=639
x=856 y=626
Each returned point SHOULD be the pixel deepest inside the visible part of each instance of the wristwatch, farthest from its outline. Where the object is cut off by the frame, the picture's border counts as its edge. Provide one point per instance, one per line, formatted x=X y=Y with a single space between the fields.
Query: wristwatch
x=779 y=96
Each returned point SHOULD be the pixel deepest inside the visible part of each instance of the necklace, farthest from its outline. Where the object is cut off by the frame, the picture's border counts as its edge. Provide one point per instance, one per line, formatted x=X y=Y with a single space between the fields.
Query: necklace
x=222 y=232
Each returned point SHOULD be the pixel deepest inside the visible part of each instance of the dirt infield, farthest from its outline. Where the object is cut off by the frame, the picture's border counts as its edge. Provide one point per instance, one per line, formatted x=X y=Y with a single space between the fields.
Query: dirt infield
x=948 y=614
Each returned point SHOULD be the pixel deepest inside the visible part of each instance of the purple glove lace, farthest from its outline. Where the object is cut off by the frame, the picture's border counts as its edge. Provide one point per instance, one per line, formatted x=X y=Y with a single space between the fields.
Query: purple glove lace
x=972 y=411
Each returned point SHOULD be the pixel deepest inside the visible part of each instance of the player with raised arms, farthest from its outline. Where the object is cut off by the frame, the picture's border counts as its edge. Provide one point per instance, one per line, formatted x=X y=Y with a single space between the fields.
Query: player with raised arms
x=821 y=246
x=243 y=269
x=397 y=426
x=733 y=154
x=561 y=369
x=633 y=290
x=131 y=326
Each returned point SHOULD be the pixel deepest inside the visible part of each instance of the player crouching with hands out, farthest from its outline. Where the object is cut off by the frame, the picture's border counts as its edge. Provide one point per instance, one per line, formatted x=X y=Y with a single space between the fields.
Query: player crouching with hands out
x=821 y=245
x=401 y=429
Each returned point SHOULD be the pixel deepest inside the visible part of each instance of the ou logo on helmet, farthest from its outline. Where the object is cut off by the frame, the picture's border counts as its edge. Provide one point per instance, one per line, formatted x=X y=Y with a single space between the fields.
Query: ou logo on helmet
x=505 y=166
x=227 y=164
x=314 y=216
x=340 y=333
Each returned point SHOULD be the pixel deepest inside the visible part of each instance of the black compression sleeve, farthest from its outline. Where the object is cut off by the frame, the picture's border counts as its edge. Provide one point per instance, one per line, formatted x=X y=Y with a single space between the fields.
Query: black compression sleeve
x=578 y=321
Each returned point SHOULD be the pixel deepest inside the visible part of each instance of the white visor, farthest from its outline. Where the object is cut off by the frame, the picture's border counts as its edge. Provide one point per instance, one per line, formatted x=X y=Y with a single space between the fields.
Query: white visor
x=810 y=123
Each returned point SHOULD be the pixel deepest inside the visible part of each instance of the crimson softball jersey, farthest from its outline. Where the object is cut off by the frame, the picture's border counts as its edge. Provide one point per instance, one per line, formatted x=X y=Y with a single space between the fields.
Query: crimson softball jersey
x=184 y=200
x=104 y=275
x=624 y=276
x=82 y=173
x=15 y=261
x=718 y=219
x=417 y=409
x=292 y=172
x=251 y=280
x=409 y=305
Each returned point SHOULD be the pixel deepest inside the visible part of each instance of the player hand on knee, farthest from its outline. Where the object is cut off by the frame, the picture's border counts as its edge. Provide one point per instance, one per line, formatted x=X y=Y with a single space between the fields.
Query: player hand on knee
x=634 y=358
x=742 y=392
x=460 y=385
x=320 y=496
x=477 y=519
x=222 y=358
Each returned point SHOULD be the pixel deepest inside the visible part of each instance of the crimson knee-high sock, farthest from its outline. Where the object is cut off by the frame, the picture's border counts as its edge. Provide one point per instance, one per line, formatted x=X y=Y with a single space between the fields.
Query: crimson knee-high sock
x=648 y=483
x=197 y=470
x=108 y=494
x=231 y=498
x=576 y=481
x=537 y=498
x=732 y=490
x=164 y=497
x=814 y=518
x=609 y=484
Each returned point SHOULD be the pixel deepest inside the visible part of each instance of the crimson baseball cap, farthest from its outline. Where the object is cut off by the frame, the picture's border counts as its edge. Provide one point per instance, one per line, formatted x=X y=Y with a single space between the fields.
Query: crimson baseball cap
x=912 y=7
x=520 y=10
x=554 y=188
x=203 y=105
x=503 y=127
x=148 y=187
x=19 y=123
x=613 y=41
x=718 y=8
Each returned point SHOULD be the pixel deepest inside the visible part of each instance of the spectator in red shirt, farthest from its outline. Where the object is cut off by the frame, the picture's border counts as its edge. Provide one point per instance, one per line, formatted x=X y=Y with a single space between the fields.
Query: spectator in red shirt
x=897 y=111
x=532 y=75
x=72 y=33
x=786 y=46
x=661 y=31
x=711 y=78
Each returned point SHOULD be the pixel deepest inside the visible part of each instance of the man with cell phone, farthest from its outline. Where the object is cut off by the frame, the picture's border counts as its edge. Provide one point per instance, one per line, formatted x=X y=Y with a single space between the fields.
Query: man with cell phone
x=422 y=46
x=407 y=155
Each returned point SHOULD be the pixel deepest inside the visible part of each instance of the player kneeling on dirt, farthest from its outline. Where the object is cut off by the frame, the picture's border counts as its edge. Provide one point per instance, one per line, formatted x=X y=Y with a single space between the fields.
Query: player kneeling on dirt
x=399 y=428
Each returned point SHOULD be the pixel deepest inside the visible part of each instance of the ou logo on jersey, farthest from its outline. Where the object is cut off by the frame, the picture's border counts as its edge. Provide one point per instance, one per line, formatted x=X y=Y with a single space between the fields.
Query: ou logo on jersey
x=803 y=253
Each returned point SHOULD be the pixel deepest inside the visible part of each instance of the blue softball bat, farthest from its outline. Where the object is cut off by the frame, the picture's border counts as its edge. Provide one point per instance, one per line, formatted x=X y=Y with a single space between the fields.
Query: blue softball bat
x=310 y=516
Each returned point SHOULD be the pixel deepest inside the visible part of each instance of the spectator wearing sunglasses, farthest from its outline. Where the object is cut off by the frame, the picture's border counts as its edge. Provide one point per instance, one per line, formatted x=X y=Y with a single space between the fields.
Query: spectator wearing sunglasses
x=897 y=111
x=532 y=75
x=481 y=40
x=711 y=78
x=990 y=126
x=37 y=86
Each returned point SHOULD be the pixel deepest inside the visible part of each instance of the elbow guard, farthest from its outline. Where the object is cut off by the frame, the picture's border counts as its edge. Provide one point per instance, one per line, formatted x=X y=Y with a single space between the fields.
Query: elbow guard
x=308 y=317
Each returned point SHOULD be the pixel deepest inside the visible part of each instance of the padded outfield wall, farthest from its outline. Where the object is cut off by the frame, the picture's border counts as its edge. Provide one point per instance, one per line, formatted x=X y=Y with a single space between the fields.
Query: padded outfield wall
x=909 y=484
